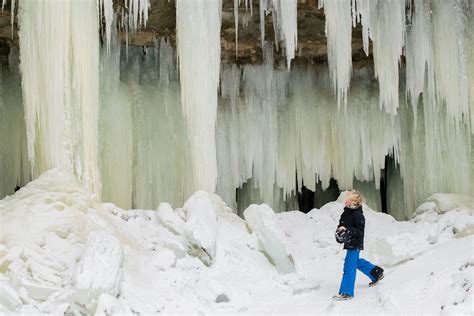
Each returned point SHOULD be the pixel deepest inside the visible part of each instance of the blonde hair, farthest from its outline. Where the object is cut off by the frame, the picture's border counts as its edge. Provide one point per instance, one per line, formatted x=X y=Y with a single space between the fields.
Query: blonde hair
x=356 y=198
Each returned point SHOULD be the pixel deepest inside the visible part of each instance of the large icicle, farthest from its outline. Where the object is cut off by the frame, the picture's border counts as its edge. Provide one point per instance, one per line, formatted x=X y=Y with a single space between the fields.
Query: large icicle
x=384 y=21
x=339 y=35
x=287 y=25
x=236 y=24
x=419 y=53
x=59 y=52
x=107 y=10
x=198 y=30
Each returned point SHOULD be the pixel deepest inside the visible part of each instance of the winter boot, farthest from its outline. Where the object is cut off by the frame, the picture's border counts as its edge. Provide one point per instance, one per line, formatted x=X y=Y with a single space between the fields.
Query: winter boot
x=377 y=273
x=342 y=297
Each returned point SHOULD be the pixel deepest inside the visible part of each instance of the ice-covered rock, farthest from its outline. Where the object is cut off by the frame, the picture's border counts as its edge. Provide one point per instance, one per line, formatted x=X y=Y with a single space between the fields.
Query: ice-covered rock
x=99 y=270
x=445 y=202
x=427 y=207
x=262 y=220
x=201 y=225
x=170 y=219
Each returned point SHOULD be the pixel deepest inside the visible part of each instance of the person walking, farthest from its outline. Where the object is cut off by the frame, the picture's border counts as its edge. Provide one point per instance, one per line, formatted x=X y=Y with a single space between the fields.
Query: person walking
x=350 y=232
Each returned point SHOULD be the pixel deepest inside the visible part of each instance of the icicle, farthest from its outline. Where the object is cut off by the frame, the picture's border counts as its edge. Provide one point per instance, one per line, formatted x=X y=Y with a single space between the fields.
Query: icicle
x=138 y=13
x=12 y=16
x=387 y=31
x=339 y=40
x=450 y=57
x=198 y=36
x=363 y=12
x=419 y=54
x=107 y=8
x=236 y=23
x=263 y=9
x=286 y=11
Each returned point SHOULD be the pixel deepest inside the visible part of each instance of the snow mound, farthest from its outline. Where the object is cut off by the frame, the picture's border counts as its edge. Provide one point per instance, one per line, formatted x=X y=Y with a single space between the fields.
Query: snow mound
x=99 y=270
x=83 y=257
x=201 y=226
x=262 y=220
x=392 y=250
x=445 y=202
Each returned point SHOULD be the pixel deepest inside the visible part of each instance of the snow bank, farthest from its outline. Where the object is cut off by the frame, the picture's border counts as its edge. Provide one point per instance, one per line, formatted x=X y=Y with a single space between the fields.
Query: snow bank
x=261 y=219
x=201 y=226
x=80 y=256
x=99 y=270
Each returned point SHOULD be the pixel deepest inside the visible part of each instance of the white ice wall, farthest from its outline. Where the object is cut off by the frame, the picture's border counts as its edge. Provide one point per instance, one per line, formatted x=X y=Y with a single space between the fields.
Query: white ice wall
x=59 y=52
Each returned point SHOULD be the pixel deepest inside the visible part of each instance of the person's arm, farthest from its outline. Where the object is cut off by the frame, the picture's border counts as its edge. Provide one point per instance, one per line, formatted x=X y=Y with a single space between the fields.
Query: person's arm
x=359 y=226
x=340 y=226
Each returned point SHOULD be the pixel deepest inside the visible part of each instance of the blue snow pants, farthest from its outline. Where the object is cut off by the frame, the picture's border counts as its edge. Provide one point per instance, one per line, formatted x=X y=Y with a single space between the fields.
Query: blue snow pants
x=352 y=263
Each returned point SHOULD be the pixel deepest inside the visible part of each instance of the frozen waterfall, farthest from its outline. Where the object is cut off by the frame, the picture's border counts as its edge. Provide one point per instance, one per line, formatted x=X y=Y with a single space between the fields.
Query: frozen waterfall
x=144 y=125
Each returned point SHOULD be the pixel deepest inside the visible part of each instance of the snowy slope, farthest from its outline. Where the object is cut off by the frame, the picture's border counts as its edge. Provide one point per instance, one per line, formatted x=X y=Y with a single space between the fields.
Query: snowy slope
x=57 y=243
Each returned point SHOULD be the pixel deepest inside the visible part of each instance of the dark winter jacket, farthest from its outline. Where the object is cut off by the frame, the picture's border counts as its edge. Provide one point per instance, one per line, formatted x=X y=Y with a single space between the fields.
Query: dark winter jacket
x=354 y=221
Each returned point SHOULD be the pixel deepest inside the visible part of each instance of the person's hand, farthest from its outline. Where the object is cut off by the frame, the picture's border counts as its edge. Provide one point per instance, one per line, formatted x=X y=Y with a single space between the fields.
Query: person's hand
x=342 y=228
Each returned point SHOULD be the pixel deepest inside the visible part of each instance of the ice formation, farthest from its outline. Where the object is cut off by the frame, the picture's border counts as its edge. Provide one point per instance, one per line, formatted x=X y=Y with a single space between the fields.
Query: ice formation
x=284 y=15
x=304 y=113
x=14 y=165
x=201 y=225
x=61 y=90
x=387 y=31
x=106 y=8
x=198 y=35
x=262 y=220
x=267 y=131
x=99 y=270
x=339 y=35
x=140 y=105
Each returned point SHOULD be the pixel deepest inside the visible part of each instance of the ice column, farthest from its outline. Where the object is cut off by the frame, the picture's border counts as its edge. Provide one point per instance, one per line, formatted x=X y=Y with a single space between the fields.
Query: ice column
x=198 y=35
x=59 y=52
x=339 y=35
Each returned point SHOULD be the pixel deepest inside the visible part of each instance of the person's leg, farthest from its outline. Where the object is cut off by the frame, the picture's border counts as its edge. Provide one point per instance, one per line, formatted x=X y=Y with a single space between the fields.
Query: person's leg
x=365 y=267
x=349 y=276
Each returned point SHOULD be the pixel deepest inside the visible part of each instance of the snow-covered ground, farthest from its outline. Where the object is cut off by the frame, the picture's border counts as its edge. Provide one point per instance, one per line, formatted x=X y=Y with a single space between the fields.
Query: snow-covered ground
x=62 y=252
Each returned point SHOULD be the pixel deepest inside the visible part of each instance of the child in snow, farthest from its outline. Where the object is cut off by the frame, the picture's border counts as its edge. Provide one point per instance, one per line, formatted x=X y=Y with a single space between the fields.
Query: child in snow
x=350 y=231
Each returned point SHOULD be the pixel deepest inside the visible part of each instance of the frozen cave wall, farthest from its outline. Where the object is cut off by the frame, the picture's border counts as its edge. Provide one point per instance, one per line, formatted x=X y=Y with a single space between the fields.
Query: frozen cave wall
x=280 y=123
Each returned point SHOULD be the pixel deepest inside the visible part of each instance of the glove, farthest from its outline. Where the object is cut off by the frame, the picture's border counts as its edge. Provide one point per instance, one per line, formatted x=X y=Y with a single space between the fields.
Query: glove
x=342 y=236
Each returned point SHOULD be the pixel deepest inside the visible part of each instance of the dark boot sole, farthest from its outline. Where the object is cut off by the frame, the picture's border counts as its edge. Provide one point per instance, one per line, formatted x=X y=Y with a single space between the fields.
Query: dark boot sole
x=375 y=282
